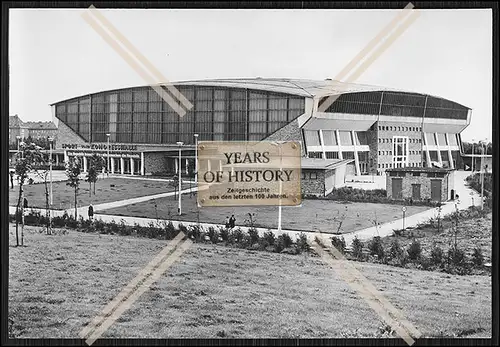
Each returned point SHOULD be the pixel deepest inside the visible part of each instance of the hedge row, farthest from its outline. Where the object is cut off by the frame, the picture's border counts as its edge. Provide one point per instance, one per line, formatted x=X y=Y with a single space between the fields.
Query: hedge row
x=453 y=261
x=164 y=230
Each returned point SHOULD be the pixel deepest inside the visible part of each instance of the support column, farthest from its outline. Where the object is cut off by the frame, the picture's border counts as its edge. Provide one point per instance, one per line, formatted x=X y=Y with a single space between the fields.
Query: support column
x=122 y=166
x=427 y=154
x=341 y=156
x=452 y=164
x=84 y=164
x=142 y=163
x=66 y=158
x=187 y=164
x=438 y=149
x=356 y=158
x=57 y=159
x=131 y=166
x=112 y=161
x=177 y=165
x=322 y=143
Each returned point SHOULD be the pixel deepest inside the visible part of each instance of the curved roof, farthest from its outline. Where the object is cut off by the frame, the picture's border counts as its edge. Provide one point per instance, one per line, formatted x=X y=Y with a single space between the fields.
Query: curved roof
x=300 y=87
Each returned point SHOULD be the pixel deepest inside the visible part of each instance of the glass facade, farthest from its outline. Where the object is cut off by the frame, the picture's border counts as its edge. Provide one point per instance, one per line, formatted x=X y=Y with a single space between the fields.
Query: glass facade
x=140 y=115
x=397 y=104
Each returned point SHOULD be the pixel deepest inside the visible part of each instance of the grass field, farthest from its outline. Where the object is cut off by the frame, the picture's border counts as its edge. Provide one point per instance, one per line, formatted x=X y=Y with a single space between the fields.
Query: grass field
x=320 y=215
x=64 y=196
x=58 y=283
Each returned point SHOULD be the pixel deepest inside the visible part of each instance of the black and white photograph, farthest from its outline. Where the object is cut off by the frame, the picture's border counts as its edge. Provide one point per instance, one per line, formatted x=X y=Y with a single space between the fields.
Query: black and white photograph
x=250 y=173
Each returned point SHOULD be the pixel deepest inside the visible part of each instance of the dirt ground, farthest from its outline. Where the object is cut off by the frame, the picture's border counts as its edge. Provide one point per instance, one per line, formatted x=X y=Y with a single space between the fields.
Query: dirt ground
x=59 y=283
x=317 y=215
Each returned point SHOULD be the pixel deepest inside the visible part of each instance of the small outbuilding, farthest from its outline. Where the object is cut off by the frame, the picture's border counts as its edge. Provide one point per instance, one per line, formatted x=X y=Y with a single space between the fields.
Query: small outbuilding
x=420 y=183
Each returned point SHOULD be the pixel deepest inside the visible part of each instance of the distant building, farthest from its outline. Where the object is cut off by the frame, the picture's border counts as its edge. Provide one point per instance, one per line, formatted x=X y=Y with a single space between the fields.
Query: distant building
x=420 y=183
x=42 y=129
x=17 y=128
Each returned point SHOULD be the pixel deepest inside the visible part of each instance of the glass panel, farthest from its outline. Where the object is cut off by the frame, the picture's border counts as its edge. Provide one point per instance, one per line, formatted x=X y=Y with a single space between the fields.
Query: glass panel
x=311 y=137
x=329 y=138
x=345 y=138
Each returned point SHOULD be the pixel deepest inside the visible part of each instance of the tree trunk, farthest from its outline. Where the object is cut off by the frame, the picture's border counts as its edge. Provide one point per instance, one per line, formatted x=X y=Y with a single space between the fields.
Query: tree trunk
x=90 y=188
x=94 y=188
x=17 y=212
x=76 y=213
x=47 y=207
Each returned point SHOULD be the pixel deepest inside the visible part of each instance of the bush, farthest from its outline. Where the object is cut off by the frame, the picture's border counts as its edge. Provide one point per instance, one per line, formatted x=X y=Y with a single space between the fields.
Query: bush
x=397 y=232
x=269 y=238
x=287 y=240
x=396 y=251
x=236 y=236
x=224 y=234
x=414 y=251
x=376 y=247
x=254 y=235
x=357 y=249
x=456 y=257
x=213 y=235
x=279 y=244
x=477 y=257
x=339 y=243
x=437 y=255
x=302 y=245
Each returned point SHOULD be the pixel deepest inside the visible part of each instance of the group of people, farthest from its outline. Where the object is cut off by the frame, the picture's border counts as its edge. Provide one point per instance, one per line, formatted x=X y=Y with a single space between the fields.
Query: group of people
x=230 y=222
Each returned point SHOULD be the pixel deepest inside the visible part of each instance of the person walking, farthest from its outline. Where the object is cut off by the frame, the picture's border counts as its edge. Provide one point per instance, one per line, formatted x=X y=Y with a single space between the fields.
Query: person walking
x=25 y=203
x=12 y=180
x=91 y=212
x=227 y=223
x=232 y=221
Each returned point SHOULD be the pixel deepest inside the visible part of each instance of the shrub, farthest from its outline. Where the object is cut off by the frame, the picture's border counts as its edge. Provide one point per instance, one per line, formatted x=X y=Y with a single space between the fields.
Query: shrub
x=396 y=251
x=224 y=234
x=287 y=240
x=357 y=248
x=236 y=236
x=339 y=243
x=279 y=244
x=376 y=247
x=398 y=232
x=213 y=235
x=437 y=255
x=302 y=245
x=194 y=232
x=477 y=257
x=456 y=257
x=254 y=235
x=414 y=251
x=269 y=238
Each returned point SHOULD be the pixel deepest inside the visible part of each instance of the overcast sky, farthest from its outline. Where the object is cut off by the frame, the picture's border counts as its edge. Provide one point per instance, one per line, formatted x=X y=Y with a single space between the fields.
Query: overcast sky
x=55 y=54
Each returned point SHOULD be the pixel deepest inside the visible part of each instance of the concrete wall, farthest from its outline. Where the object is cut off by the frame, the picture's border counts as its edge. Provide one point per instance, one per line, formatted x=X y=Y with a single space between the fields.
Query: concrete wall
x=313 y=186
x=425 y=186
x=290 y=132
x=67 y=136
x=154 y=162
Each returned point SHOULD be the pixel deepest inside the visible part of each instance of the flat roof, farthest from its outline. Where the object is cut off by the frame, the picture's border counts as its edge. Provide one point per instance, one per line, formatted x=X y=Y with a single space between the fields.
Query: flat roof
x=418 y=169
x=323 y=164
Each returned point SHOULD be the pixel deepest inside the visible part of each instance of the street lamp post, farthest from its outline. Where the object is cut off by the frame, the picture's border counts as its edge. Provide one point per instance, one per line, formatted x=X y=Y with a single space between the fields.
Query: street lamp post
x=180 y=176
x=482 y=174
x=195 y=159
x=108 y=163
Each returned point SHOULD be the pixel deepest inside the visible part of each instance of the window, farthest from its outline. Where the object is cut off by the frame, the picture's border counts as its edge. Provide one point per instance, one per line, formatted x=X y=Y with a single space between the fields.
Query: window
x=311 y=137
x=317 y=155
x=304 y=176
x=332 y=155
x=313 y=175
x=416 y=174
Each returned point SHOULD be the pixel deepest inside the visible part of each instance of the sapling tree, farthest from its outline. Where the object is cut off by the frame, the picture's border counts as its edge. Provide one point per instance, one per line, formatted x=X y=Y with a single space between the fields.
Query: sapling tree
x=28 y=157
x=96 y=164
x=73 y=171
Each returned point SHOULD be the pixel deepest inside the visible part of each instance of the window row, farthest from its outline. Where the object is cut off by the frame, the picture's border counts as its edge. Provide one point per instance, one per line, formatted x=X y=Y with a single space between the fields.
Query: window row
x=385 y=140
x=399 y=128
x=391 y=165
x=309 y=175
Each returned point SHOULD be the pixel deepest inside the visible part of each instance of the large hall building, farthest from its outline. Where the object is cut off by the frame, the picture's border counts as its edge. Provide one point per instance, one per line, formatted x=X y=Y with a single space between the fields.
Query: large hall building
x=366 y=131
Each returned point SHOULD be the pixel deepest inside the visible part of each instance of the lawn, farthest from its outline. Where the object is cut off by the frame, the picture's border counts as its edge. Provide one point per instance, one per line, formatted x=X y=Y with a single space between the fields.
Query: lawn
x=59 y=283
x=64 y=196
x=323 y=215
